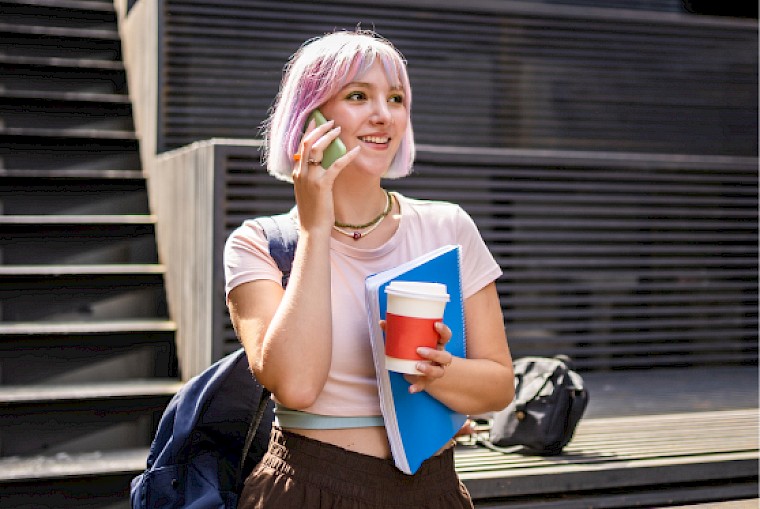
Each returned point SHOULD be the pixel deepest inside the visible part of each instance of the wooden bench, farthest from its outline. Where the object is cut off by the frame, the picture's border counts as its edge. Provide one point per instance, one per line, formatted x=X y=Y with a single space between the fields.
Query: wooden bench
x=629 y=450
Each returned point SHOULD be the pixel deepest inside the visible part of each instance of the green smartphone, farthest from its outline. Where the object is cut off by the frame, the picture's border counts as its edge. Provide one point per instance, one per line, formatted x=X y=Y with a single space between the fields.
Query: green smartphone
x=335 y=149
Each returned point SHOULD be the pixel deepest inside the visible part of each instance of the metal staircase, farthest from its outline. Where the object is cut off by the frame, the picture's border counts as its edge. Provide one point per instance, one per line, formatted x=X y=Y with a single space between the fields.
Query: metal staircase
x=87 y=360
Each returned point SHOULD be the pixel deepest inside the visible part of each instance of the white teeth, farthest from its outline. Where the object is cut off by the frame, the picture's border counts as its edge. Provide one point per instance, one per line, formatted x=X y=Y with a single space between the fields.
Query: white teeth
x=374 y=139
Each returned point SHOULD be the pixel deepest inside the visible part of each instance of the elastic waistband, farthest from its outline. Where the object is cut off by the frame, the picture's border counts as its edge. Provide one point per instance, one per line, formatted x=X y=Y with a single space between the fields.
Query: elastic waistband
x=376 y=480
x=288 y=418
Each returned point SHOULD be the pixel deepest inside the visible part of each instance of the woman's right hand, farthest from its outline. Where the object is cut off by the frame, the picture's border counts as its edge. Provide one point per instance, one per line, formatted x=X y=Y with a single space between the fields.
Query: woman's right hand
x=313 y=185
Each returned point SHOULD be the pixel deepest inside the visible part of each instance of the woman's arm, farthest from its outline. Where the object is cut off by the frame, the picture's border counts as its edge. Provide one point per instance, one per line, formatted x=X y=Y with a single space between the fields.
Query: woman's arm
x=286 y=334
x=482 y=382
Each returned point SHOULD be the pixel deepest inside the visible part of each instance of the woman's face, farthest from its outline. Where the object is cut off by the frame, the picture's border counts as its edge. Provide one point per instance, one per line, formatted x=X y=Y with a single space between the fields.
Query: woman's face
x=372 y=114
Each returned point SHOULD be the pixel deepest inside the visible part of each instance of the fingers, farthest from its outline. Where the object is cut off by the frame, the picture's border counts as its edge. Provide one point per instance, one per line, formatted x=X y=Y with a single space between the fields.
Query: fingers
x=439 y=359
x=316 y=140
x=444 y=332
x=306 y=154
x=432 y=368
x=320 y=145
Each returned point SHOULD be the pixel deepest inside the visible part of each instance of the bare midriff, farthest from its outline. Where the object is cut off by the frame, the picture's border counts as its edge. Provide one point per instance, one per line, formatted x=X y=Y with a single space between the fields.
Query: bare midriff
x=370 y=441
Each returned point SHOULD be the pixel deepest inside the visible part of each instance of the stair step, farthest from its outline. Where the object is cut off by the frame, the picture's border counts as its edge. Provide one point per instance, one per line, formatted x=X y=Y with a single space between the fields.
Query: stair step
x=82 y=201
x=79 y=174
x=69 y=154
x=78 y=219
x=79 y=270
x=73 y=465
x=78 y=416
x=68 y=133
x=62 y=32
x=62 y=62
x=73 y=97
x=42 y=394
x=84 y=5
x=104 y=327
x=66 y=116
x=45 y=46
x=29 y=78
x=79 y=241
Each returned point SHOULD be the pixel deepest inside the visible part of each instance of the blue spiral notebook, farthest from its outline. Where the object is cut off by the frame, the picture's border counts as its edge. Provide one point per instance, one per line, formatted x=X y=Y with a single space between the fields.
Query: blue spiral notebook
x=418 y=425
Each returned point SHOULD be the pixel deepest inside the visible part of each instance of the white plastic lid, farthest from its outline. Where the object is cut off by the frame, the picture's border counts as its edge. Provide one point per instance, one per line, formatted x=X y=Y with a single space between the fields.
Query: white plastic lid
x=418 y=290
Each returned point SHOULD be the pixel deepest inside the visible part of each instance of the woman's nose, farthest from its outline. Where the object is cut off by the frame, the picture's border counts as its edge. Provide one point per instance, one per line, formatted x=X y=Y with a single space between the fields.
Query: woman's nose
x=381 y=114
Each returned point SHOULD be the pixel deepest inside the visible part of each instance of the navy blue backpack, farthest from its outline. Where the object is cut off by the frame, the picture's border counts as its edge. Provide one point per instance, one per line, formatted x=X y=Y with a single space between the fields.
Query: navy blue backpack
x=216 y=428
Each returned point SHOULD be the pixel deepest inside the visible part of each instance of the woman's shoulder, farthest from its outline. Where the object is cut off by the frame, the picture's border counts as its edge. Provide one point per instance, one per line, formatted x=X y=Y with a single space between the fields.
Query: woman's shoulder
x=248 y=231
x=435 y=208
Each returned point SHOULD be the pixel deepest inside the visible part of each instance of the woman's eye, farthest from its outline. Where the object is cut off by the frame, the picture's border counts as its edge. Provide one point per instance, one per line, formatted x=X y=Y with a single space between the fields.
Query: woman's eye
x=397 y=98
x=356 y=96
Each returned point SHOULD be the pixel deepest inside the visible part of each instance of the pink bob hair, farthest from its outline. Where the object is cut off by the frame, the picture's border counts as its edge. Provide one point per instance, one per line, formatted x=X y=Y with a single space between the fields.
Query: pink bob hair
x=316 y=72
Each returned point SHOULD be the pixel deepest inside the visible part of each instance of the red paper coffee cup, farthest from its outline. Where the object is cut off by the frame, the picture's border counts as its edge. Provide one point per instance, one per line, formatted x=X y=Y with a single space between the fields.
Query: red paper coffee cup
x=412 y=310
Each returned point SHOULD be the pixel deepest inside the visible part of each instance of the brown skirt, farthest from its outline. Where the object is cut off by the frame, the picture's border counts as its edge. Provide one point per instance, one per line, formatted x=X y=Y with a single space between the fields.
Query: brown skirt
x=302 y=473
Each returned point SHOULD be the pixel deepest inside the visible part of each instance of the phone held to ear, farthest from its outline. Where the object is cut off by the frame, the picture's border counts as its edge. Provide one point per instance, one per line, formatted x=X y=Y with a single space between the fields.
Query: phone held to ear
x=335 y=149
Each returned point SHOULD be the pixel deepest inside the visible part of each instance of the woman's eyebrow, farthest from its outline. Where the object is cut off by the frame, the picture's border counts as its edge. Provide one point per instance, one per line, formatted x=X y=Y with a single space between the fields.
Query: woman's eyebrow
x=362 y=84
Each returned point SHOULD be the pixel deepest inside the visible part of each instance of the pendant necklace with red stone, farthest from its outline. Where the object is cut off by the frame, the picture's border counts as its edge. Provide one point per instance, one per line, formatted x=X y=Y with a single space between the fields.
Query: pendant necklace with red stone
x=357 y=231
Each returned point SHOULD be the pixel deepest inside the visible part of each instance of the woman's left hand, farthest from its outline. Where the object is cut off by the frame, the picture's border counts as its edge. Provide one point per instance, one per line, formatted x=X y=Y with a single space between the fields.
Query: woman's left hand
x=435 y=363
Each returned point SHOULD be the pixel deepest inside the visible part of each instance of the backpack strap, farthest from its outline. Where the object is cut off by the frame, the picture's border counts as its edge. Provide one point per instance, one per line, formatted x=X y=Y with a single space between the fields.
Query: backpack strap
x=249 y=436
x=282 y=234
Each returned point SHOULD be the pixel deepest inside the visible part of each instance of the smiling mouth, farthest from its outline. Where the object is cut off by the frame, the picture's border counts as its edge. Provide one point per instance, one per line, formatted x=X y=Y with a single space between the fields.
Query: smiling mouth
x=375 y=139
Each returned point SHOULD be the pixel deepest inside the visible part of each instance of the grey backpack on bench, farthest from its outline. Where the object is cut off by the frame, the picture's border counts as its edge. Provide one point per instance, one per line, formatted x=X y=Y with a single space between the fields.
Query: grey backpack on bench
x=550 y=399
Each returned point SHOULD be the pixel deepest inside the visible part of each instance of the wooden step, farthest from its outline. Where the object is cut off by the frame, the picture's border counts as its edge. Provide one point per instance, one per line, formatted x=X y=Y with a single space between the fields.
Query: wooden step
x=66 y=328
x=72 y=426
x=67 y=117
x=60 y=32
x=79 y=219
x=79 y=270
x=43 y=394
x=61 y=62
x=78 y=174
x=39 y=468
x=68 y=154
x=71 y=133
x=44 y=96
x=82 y=5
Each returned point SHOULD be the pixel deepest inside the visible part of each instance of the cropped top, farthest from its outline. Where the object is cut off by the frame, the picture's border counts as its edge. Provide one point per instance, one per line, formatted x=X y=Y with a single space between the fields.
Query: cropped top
x=351 y=387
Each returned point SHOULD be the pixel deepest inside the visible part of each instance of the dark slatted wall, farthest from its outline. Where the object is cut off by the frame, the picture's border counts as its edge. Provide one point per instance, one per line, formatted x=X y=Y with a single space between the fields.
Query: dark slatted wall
x=501 y=74
x=616 y=261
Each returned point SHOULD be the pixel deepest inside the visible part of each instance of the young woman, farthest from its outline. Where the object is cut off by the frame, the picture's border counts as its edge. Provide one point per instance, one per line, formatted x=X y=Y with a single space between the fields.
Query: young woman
x=309 y=343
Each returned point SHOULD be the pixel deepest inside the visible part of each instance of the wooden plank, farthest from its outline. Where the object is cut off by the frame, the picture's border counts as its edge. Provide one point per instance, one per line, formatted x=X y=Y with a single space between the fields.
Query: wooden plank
x=623 y=452
x=79 y=5
x=44 y=394
x=741 y=491
x=80 y=270
x=63 y=62
x=77 y=97
x=65 y=328
x=17 y=469
x=77 y=219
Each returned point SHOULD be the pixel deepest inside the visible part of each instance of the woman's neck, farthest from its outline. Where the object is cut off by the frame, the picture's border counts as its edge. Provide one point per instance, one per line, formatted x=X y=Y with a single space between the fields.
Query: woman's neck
x=358 y=203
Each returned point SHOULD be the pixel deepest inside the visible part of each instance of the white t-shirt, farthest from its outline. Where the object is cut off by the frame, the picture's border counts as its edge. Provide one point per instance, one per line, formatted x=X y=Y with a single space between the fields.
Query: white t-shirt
x=351 y=387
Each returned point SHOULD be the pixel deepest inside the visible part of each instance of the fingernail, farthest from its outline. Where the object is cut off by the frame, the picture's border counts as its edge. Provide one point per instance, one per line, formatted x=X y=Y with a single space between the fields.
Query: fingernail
x=423 y=350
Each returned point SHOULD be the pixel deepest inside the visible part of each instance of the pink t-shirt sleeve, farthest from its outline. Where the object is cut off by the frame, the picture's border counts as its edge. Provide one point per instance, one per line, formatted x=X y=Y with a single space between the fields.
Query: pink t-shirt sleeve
x=246 y=257
x=478 y=265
